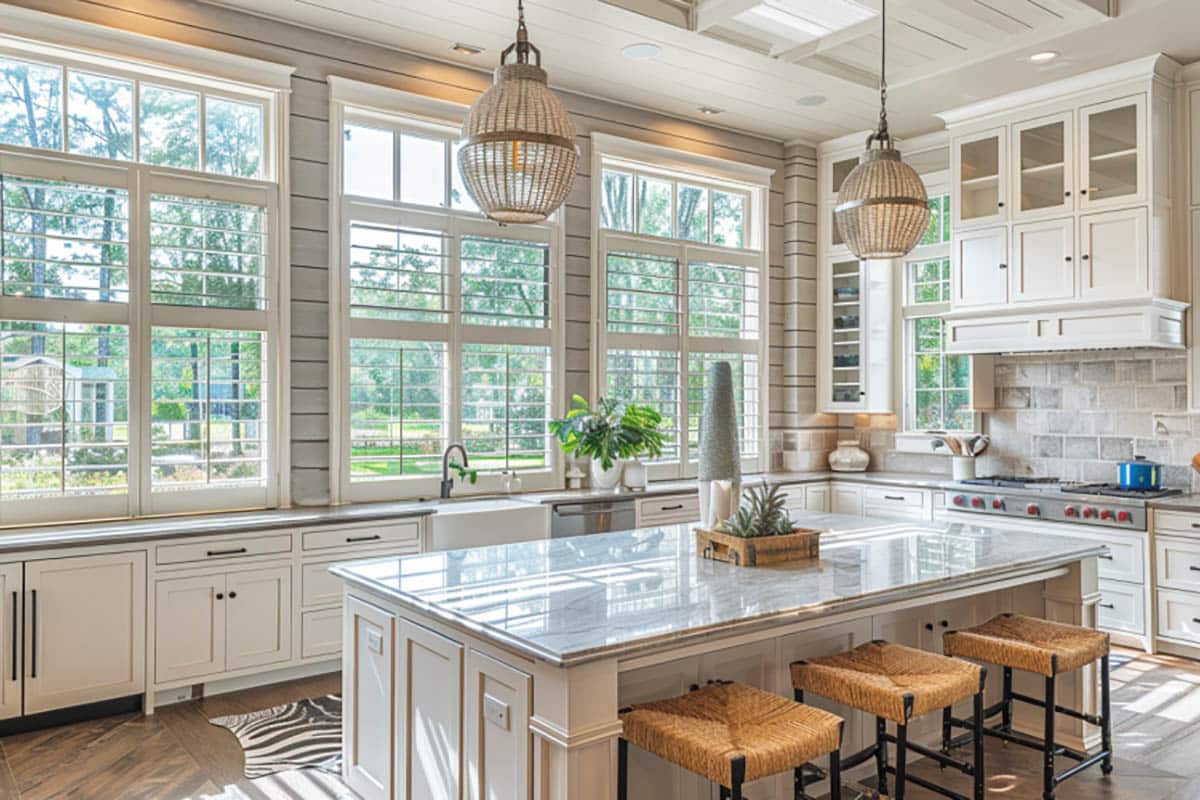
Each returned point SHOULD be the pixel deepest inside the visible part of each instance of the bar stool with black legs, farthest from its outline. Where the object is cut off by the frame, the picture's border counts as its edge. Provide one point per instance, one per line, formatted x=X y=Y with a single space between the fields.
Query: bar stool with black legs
x=731 y=734
x=898 y=684
x=1048 y=649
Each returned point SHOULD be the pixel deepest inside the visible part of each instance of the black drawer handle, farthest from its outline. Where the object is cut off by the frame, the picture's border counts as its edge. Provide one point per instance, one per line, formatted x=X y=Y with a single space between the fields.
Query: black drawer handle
x=1107 y=605
x=672 y=508
x=928 y=626
x=1196 y=620
x=1107 y=558
x=893 y=497
x=1194 y=568
x=234 y=552
x=1196 y=524
x=33 y=636
x=15 y=641
x=373 y=538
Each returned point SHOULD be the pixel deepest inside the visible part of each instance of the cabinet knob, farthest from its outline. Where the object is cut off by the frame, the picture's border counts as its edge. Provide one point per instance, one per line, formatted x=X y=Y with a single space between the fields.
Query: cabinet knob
x=232 y=595
x=1083 y=191
x=862 y=394
x=945 y=623
x=1085 y=258
x=928 y=626
x=220 y=596
x=1004 y=266
x=1066 y=194
x=1068 y=258
x=1000 y=204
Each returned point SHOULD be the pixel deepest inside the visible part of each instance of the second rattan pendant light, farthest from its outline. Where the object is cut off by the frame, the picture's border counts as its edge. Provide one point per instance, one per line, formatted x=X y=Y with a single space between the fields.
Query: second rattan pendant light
x=519 y=158
x=882 y=209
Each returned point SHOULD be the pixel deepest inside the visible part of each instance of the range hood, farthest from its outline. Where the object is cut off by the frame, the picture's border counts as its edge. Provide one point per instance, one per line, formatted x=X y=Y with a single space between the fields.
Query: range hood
x=1098 y=325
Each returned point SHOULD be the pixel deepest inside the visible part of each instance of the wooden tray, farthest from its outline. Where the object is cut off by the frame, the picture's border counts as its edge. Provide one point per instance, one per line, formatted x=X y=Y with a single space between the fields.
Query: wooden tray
x=800 y=544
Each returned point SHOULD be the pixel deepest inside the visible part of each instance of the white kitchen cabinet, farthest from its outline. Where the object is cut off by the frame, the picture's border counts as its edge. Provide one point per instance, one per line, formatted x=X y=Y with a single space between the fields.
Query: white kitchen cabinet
x=368 y=699
x=892 y=502
x=846 y=499
x=1179 y=616
x=429 y=723
x=11 y=637
x=1113 y=260
x=1043 y=167
x=856 y=326
x=1121 y=607
x=1043 y=261
x=672 y=509
x=258 y=623
x=979 y=166
x=498 y=707
x=206 y=625
x=1112 y=153
x=85 y=630
x=980 y=267
x=816 y=497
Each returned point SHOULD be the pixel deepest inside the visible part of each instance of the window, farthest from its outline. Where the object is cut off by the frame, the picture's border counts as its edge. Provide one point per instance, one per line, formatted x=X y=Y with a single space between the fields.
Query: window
x=680 y=291
x=673 y=209
x=449 y=320
x=108 y=186
x=938 y=384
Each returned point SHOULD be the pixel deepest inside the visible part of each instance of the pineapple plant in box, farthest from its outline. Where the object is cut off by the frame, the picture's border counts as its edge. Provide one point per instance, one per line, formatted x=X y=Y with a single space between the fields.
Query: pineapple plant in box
x=761 y=532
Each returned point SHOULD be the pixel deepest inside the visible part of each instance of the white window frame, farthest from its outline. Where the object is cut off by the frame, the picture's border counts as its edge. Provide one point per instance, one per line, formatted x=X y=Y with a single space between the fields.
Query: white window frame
x=936 y=185
x=624 y=155
x=108 y=52
x=355 y=102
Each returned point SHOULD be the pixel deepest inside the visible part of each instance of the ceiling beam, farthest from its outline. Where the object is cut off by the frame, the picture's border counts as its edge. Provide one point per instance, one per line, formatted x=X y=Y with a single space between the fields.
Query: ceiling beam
x=710 y=13
x=1097 y=9
x=829 y=41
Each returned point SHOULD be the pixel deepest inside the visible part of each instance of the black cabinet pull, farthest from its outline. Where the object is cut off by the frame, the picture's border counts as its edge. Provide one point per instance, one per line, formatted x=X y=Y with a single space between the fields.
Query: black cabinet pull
x=1066 y=194
x=1107 y=605
x=15 y=641
x=232 y=595
x=235 y=551
x=1196 y=524
x=220 y=596
x=1107 y=558
x=1000 y=204
x=1083 y=191
x=945 y=623
x=352 y=539
x=928 y=626
x=33 y=635
x=893 y=497
x=1068 y=258
x=1194 y=568
x=1196 y=620
x=672 y=508
x=1004 y=266
x=1085 y=258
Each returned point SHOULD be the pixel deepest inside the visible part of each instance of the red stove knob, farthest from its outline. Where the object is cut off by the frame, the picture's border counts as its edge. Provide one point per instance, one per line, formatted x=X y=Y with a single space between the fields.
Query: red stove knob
x=1123 y=516
x=977 y=502
x=959 y=500
x=1071 y=511
x=1105 y=514
x=997 y=502
x=1088 y=513
x=1032 y=509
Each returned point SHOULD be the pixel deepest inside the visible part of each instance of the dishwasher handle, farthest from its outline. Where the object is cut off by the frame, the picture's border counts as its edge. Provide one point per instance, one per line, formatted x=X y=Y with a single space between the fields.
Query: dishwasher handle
x=591 y=509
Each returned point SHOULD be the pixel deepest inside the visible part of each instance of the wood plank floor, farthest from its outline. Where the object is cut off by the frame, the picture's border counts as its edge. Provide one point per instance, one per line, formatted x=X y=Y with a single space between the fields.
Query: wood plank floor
x=178 y=755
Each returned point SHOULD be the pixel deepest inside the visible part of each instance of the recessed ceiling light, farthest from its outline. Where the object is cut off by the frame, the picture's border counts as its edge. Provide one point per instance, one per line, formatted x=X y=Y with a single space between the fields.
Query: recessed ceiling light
x=467 y=49
x=1044 y=57
x=710 y=111
x=811 y=100
x=641 y=51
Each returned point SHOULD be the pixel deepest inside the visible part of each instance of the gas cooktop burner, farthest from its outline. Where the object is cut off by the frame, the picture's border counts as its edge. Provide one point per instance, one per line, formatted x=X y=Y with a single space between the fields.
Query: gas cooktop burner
x=1011 y=481
x=1114 y=490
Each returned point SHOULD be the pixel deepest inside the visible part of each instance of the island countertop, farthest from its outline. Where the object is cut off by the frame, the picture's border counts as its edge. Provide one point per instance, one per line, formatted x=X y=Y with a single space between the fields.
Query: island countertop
x=568 y=601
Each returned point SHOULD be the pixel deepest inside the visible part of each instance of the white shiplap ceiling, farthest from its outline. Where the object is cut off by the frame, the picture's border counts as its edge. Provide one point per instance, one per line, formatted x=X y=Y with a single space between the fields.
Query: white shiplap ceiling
x=754 y=59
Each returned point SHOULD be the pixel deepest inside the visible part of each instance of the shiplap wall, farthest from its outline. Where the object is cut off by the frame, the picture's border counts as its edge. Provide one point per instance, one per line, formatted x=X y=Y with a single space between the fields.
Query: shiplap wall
x=316 y=55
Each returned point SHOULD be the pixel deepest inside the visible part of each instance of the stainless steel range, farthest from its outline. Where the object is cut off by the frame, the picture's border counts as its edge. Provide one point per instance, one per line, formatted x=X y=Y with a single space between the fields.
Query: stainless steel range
x=1052 y=500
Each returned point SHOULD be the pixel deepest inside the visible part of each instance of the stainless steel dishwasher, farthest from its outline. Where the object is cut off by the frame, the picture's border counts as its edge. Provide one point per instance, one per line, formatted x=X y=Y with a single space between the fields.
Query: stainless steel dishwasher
x=601 y=516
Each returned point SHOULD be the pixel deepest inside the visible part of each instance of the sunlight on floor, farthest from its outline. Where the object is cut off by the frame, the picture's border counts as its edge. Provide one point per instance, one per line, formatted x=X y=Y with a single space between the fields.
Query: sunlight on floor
x=309 y=784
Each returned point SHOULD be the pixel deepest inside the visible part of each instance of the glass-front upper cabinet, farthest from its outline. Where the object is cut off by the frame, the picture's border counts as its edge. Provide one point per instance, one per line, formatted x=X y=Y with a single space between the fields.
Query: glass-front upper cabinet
x=980 y=171
x=846 y=336
x=1113 y=153
x=839 y=169
x=1044 y=176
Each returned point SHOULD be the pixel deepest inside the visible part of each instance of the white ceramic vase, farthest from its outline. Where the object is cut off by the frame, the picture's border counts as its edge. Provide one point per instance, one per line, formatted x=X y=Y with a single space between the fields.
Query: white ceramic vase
x=849 y=457
x=634 y=476
x=605 y=478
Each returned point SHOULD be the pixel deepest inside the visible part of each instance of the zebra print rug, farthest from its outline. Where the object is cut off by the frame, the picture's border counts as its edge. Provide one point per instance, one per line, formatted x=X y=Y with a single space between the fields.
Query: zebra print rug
x=293 y=736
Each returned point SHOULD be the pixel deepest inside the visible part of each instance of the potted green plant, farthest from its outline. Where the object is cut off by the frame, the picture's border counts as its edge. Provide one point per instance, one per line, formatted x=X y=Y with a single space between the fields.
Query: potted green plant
x=607 y=434
x=760 y=532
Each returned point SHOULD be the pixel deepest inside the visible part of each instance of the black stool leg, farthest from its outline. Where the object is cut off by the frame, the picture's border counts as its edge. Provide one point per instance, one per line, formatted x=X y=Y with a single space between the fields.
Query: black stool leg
x=1106 y=766
x=798 y=772
x=1006 y=707
x=739 y=776
x=622 y=769
x=1048 y=744
x=881 y=759
x=835 y=775
x=901 y=759
x=946 y=714
x=977 y=740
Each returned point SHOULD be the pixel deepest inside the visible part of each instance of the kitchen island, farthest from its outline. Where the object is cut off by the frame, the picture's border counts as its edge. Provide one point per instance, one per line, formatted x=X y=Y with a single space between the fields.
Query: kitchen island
x=498 y=672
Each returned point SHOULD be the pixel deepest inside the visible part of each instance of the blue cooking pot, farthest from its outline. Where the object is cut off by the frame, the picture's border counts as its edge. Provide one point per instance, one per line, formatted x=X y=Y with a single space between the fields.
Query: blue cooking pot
x=1140 y=474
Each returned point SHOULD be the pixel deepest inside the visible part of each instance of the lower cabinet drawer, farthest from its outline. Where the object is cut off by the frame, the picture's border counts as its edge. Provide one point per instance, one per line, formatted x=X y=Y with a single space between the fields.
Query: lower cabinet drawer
x=1179 y=616
x=1122 y=607
x=321 y=632
x=1178 y=563
x=319 y=587
x=668 y=510
x=895 y=512
x=892 y=498
x=223 y=549
x=1124 y=561
x=1176 y=522
x=380 y=533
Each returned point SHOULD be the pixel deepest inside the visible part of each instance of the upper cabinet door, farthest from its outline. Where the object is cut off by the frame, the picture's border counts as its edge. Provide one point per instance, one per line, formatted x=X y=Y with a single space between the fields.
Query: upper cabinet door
x=1043 y=167
x=1113 y=258
x=837 y=170
x=980 y=171
x=1112 y=153
x=1043 y=261
x=980 y=274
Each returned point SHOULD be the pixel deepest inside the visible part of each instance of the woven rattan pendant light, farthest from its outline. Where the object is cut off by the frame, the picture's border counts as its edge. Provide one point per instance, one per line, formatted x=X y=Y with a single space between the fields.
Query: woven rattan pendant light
x=519 y=157
x=882 y=209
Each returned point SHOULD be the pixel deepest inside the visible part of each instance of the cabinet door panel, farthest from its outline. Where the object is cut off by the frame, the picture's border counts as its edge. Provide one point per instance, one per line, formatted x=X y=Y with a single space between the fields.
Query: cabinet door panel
x=258 y=623
x=368 y=699
x=1043 y=265
x=1043 y=156
x=1113 y=259
x=980 y=276
x=189 y=627
x=85 y=630
x=10 y=640
x=497 y=737
x=1112 y=153
x=816 y=498
x=980 y=178
x=846 y=500
x=429 y=713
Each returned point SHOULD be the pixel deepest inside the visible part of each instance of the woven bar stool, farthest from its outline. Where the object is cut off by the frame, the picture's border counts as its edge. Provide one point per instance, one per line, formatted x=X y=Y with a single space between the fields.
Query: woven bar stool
x=731 y=734
x=898 y=683
x=1048 y=649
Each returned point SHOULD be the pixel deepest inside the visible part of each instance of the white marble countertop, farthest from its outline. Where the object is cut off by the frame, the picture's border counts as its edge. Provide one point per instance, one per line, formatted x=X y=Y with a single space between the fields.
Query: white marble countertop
x=1186 y=502
x=567 y=601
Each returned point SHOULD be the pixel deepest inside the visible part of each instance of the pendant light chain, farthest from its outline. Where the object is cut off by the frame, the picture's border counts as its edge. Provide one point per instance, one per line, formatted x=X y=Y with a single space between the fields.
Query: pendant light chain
x=882 y=133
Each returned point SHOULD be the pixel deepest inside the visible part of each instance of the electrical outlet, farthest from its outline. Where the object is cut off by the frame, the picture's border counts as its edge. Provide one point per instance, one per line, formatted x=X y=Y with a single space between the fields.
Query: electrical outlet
x=495 y=711
x=375 y=641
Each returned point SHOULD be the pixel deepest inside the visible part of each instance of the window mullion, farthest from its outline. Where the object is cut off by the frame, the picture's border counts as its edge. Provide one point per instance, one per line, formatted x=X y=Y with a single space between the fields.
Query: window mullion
x=454 y=345
x=141 y=377
x=684 y=353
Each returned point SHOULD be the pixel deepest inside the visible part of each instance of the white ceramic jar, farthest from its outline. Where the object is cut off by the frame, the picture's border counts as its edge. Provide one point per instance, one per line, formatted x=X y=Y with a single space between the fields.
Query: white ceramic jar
x=849 y=457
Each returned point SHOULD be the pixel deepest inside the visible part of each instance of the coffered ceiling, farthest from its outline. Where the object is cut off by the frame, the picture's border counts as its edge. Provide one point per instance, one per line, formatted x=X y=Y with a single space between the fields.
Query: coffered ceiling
x=787 y=69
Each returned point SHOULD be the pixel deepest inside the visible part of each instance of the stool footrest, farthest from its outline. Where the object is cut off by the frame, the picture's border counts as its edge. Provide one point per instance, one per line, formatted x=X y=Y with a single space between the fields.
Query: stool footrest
x=1082 y=765
x=1091 y=719
x=933 y=787
x=941 y=758
x=861 y=757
